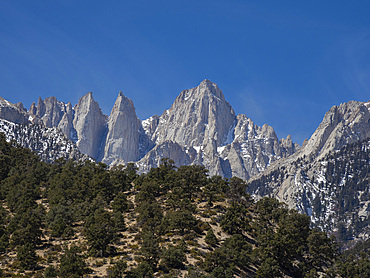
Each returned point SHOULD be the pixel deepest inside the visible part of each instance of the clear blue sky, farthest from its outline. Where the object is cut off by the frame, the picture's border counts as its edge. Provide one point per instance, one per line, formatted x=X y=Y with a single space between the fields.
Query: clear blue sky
x=284 y=63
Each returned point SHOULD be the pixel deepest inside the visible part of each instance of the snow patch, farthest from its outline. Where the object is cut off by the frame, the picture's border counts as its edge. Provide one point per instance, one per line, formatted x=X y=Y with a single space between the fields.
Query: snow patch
x=198 y=148
x=220 y=149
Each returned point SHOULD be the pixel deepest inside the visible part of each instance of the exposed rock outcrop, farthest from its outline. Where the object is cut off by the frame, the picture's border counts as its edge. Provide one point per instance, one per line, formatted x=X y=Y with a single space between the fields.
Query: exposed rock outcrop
x=169 y=149
x=50 y=111
x=48 y=143
x=66 y=123
x=341 y=125
x=124 y=131
x=11 y=112
x=90 y=125
x=197 y=115
x=226 y=144
x=200 y=121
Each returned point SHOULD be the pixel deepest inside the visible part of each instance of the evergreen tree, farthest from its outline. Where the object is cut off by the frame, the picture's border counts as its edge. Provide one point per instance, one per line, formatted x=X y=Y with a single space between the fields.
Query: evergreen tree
x=72 y=264
x=100 y=232
x=27 y=257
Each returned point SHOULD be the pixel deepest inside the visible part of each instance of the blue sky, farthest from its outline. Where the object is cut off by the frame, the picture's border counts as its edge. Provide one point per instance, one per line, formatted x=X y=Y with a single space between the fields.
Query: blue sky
x=284 y=63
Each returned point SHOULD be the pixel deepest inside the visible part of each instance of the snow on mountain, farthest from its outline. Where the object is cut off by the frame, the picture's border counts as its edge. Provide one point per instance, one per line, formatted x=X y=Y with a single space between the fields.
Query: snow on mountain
x=48 y=143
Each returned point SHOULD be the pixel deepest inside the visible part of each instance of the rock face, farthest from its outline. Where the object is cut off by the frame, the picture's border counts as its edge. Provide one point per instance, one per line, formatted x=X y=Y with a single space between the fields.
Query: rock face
x=85 y=124
x=299 y=179
x=254 y=148
x=124 y=131
x=48 y=143
x=341 y=125
x=199 y=128
x=50 y=111
x=198 y=115
x=172 y=150
x=54 y=113
x=12 y=112
x=66 y=123
x=201 y=119
x=90 y=125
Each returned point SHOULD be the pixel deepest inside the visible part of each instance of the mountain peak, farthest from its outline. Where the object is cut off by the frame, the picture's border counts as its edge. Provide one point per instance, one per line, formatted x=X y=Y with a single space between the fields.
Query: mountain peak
x=207 y=86
x=4 y=102
x=89 y=123
x=123 y=103
x=88 y=97
x=122 y=140
x=198 y=114
x=206 y=81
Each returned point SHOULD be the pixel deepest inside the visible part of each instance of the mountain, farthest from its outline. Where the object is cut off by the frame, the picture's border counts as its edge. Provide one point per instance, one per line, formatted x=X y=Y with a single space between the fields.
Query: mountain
x=200 y=128
x=66 y=219
x=90 y=125
x=48 y=143
x=197 y=116
x=12 y=112
x=329 y=176
x=207 y=132
x=126 y=139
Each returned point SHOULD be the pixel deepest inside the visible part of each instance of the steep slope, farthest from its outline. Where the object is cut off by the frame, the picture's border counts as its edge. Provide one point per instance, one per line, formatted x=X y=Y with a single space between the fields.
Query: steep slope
x=50 y=111
x=254 y=148
x=126 y=139
x=198 y=115
x=201 y=119
x=12 y=112
x=54 y=113
x=342 y=125
x=200 y=128
x=90 y=125
x=84 y=124
x=48 y=143
x=306 y=180
x=61 y=220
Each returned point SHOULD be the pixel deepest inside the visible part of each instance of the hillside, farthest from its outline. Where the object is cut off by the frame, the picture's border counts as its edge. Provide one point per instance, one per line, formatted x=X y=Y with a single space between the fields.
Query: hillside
x=332 y=190
x=70 y=219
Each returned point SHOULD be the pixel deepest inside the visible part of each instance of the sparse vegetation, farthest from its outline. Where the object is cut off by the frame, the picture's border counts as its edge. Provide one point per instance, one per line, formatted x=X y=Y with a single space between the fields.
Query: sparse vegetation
x=74 y=219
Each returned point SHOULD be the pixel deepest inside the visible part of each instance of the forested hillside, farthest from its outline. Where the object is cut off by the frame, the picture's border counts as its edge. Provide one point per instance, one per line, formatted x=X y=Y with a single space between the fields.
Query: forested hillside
x=75 y=219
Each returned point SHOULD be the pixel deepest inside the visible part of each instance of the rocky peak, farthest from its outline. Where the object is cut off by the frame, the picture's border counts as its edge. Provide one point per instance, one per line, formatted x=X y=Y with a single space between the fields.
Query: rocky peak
x=124 y=128
x=12 y=112
x=90 y=125
x=40 y=110
x=197 y=115
x=288 y=146
x=341 y=125
x=33 y=109
x=66 y=123
x=150 y=125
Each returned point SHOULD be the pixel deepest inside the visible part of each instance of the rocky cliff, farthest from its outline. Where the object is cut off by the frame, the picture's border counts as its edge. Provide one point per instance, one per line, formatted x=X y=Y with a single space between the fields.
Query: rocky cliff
x=11 y=112
x=48 y=143
x=197 y=116
x=126 y=137
x=201 y=119
x=90 y=125
x=307 y=182
x=199 y=128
